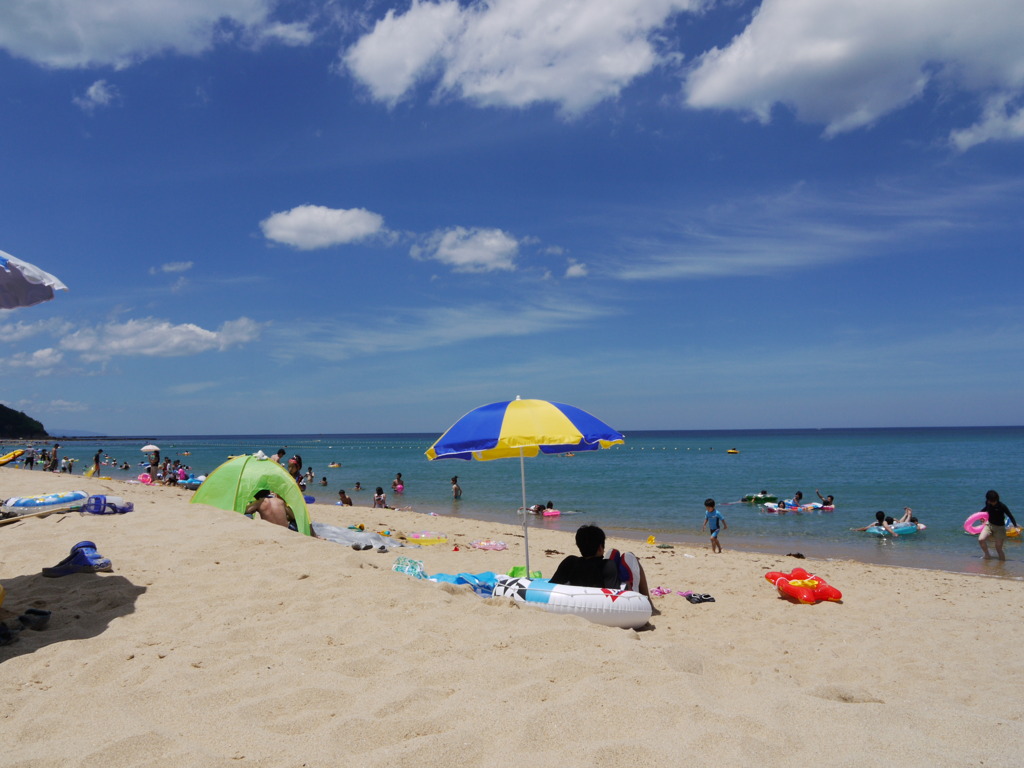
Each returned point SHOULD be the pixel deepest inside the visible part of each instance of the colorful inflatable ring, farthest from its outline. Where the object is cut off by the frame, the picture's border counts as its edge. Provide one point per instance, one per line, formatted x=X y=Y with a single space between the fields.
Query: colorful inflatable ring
x=975 y=524
x=489 y=544
x=901 y=529
x=145 y=478
x=610 y=607
x=426 y=538
x=803 y=587
x=552 y=512
x=1013 y=532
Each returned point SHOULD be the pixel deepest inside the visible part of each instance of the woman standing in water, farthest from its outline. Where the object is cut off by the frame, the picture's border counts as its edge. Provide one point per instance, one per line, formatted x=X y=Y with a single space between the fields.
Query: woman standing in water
x=995 y=526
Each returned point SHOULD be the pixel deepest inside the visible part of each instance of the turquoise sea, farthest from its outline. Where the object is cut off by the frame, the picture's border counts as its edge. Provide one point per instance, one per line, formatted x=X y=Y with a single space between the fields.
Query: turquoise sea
x=657 y=482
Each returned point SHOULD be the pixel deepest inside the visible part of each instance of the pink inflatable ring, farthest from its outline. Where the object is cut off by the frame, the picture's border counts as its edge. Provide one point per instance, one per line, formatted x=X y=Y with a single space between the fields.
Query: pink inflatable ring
x=975 y=524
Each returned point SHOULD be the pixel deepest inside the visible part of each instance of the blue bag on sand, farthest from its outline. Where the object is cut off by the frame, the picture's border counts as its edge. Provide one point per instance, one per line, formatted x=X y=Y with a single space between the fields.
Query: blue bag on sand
x=107 y=505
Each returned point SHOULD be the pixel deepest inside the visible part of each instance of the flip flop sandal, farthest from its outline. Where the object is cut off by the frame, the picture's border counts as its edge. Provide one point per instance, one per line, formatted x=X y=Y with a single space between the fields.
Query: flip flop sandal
x=82 y=561
x=33 y=619
x=706 y=598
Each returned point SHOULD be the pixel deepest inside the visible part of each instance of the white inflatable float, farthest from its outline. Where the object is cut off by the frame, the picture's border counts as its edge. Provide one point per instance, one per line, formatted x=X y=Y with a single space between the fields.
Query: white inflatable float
x=610 y=607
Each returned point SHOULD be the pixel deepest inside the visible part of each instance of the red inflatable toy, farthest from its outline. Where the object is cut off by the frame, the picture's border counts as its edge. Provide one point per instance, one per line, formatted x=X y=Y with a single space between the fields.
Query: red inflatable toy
x=803 y=587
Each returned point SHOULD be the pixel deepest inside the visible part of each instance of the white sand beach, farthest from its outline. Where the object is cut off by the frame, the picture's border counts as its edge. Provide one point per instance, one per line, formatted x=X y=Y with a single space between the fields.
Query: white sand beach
x=220 y=641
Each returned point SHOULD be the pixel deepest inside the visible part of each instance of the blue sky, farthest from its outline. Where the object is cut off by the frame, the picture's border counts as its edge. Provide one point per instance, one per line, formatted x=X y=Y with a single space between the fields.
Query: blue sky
x=316 y=216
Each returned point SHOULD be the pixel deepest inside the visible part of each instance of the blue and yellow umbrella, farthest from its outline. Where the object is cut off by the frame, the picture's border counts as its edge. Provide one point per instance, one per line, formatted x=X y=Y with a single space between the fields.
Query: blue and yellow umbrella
x=521 y=428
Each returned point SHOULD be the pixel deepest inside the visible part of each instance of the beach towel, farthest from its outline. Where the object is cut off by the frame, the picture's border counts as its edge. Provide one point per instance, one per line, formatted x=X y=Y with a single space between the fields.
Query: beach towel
x=349 y=537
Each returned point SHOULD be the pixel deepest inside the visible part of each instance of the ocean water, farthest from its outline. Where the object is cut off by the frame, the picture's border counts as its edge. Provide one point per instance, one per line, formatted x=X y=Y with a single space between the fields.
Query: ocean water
x=656 y=484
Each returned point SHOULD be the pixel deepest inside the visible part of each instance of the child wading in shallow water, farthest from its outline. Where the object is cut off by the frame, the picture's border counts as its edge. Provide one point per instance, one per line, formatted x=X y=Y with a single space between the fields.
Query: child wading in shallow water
x=716 y=522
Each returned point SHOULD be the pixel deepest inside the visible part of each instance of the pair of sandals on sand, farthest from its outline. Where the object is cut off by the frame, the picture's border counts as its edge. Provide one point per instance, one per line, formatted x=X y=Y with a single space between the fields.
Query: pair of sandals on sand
x=83 y=559
x=694 y=598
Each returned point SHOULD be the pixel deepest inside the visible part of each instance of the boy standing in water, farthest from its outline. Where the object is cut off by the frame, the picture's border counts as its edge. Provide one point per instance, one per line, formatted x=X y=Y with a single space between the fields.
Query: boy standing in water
x=716 y=522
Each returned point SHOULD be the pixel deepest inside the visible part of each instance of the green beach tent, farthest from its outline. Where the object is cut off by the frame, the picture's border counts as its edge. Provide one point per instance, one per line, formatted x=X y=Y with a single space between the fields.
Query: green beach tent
x=233 y=484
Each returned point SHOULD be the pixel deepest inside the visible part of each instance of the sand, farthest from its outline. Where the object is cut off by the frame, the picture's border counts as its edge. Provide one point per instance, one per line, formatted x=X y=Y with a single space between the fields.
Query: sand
x=221 y=641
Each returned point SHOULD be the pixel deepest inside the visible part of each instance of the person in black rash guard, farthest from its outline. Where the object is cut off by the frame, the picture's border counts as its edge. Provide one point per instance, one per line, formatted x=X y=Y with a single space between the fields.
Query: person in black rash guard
x=591 y=569
x=995 y=528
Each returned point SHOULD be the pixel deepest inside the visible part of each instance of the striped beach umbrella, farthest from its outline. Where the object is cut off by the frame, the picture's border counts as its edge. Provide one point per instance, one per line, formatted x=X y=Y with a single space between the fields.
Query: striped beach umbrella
x=521 y=428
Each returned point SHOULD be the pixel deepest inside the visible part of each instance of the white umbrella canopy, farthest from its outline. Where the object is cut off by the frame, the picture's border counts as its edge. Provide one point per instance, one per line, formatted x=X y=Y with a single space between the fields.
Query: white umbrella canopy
x=23 y=284
x=150 y=448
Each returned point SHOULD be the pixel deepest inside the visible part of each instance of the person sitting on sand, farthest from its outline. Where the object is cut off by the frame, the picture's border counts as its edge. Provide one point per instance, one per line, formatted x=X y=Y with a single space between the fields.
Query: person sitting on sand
x=592 y=569
x=344 y=499
x=380 y=499
x=271 y=508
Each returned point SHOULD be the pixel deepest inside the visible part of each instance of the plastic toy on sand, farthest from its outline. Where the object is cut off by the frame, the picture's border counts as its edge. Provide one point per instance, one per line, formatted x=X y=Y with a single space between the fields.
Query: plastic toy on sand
x=803 y=587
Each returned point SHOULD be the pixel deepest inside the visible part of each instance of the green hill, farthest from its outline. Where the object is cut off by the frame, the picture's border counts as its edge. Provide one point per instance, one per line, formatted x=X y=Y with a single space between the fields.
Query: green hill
x=16 y=424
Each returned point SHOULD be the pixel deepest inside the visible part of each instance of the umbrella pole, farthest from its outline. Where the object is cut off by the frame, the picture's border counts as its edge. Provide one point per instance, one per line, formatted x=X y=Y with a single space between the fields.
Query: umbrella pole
x=526 y=530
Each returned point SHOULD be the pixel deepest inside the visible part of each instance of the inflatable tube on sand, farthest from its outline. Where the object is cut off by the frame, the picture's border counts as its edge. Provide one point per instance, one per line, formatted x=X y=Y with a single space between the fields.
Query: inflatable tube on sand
x=44 y=501
x=39 y=506
x=425 y=538
x=610 y=607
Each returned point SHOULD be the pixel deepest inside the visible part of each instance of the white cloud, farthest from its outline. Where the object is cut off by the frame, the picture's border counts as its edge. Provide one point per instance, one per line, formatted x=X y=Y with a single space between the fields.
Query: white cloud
x=313 y=226
x=574 y=53
x=999 y=122
x=402 y=49
x=80 y=33
x=11 y=332
x=846 y=63
x=53 y=406
x=42 y=360
x=150 y=337
x=470 y=250
x=295 y=34
x=99 y=94
x=801 y=228
x=440 y=326
x=576 y=269
x=192 y=388
x=171 y=267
